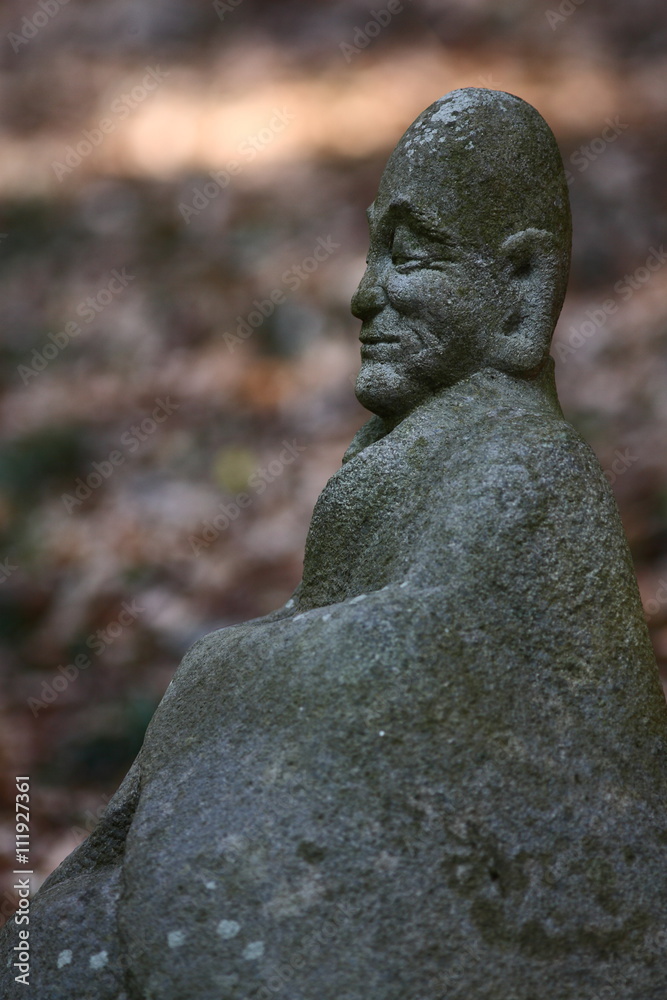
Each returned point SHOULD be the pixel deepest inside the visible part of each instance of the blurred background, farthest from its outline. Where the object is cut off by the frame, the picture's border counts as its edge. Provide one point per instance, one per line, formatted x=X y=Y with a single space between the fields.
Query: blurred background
x=182 y=196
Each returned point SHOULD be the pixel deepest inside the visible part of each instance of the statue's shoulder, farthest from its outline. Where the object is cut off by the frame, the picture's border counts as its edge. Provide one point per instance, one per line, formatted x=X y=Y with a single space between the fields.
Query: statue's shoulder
x=537 y=457
x=505 y=449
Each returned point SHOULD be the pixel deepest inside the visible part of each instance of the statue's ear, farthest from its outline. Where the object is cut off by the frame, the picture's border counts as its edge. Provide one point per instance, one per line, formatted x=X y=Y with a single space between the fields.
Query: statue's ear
x=531 y=273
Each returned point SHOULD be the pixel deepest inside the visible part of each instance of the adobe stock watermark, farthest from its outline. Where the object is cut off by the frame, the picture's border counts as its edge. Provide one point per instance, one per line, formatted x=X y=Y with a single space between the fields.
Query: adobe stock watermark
x=234 y=848
x=130 y=441
x=90 y=821
x=247 y=150
x=45 y=11
x=97 y=642
x=6 y=569
x=489 y=82
x=615 y=985
x=292 y=279
x=658 y=943
x=586 y=154
x=319 y=938
x=622 y=461
x=658 y=601
x=88 y=310
x=565 y=10
x=222 y=7
x=363 y=35
x=596 y=317
x=258 y=482
x=308 y=948
x=450 y=978
x=120 y=109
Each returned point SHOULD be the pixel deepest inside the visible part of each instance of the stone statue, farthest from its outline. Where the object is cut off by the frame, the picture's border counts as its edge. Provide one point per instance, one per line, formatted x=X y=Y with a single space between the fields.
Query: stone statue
x=440 y=770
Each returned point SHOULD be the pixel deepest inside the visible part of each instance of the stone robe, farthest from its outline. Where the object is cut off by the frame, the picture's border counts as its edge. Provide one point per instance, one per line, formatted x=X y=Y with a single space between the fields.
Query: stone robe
x=440 y=771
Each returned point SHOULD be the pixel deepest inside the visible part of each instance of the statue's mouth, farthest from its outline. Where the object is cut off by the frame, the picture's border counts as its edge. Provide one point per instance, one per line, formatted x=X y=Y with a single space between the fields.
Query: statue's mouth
x=373 y=346
x=370 y=337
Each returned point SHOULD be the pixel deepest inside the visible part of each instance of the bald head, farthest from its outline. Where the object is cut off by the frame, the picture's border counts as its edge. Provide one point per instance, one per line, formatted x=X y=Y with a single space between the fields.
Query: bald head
x=488 y=162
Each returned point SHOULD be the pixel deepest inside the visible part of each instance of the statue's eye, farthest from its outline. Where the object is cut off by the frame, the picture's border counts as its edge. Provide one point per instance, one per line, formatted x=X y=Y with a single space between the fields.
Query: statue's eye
x=412 y=251
x=406 y=252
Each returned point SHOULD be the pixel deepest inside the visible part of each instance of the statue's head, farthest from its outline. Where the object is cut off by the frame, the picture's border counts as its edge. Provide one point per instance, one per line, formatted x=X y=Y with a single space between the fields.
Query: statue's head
x=469 y=251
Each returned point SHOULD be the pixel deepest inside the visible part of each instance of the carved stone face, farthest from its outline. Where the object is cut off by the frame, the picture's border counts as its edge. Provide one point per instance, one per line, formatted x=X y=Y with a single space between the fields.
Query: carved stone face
x=469 y=249
x=426 y=301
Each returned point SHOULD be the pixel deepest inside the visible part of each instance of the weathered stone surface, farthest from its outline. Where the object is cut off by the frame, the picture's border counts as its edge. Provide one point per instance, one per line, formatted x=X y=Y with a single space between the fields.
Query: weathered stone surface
x=440 y=769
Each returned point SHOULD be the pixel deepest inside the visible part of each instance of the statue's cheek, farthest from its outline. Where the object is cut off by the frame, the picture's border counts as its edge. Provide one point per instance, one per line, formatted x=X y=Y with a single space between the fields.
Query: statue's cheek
x=413 y=293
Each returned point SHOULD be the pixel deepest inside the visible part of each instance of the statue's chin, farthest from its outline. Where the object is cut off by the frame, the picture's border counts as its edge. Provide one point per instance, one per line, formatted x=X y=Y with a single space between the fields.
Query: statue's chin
x=384 y=390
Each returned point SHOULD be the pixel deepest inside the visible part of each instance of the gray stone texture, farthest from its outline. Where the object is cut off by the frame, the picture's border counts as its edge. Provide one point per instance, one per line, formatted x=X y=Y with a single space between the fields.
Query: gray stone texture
x=440 y=770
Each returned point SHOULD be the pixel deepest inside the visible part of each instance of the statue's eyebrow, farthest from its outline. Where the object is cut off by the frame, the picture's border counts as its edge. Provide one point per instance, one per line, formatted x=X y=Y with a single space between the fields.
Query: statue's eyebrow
x=401 y=210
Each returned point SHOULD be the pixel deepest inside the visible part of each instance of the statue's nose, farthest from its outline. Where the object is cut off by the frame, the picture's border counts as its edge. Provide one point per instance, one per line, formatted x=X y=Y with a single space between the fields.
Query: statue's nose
x=370 y=297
